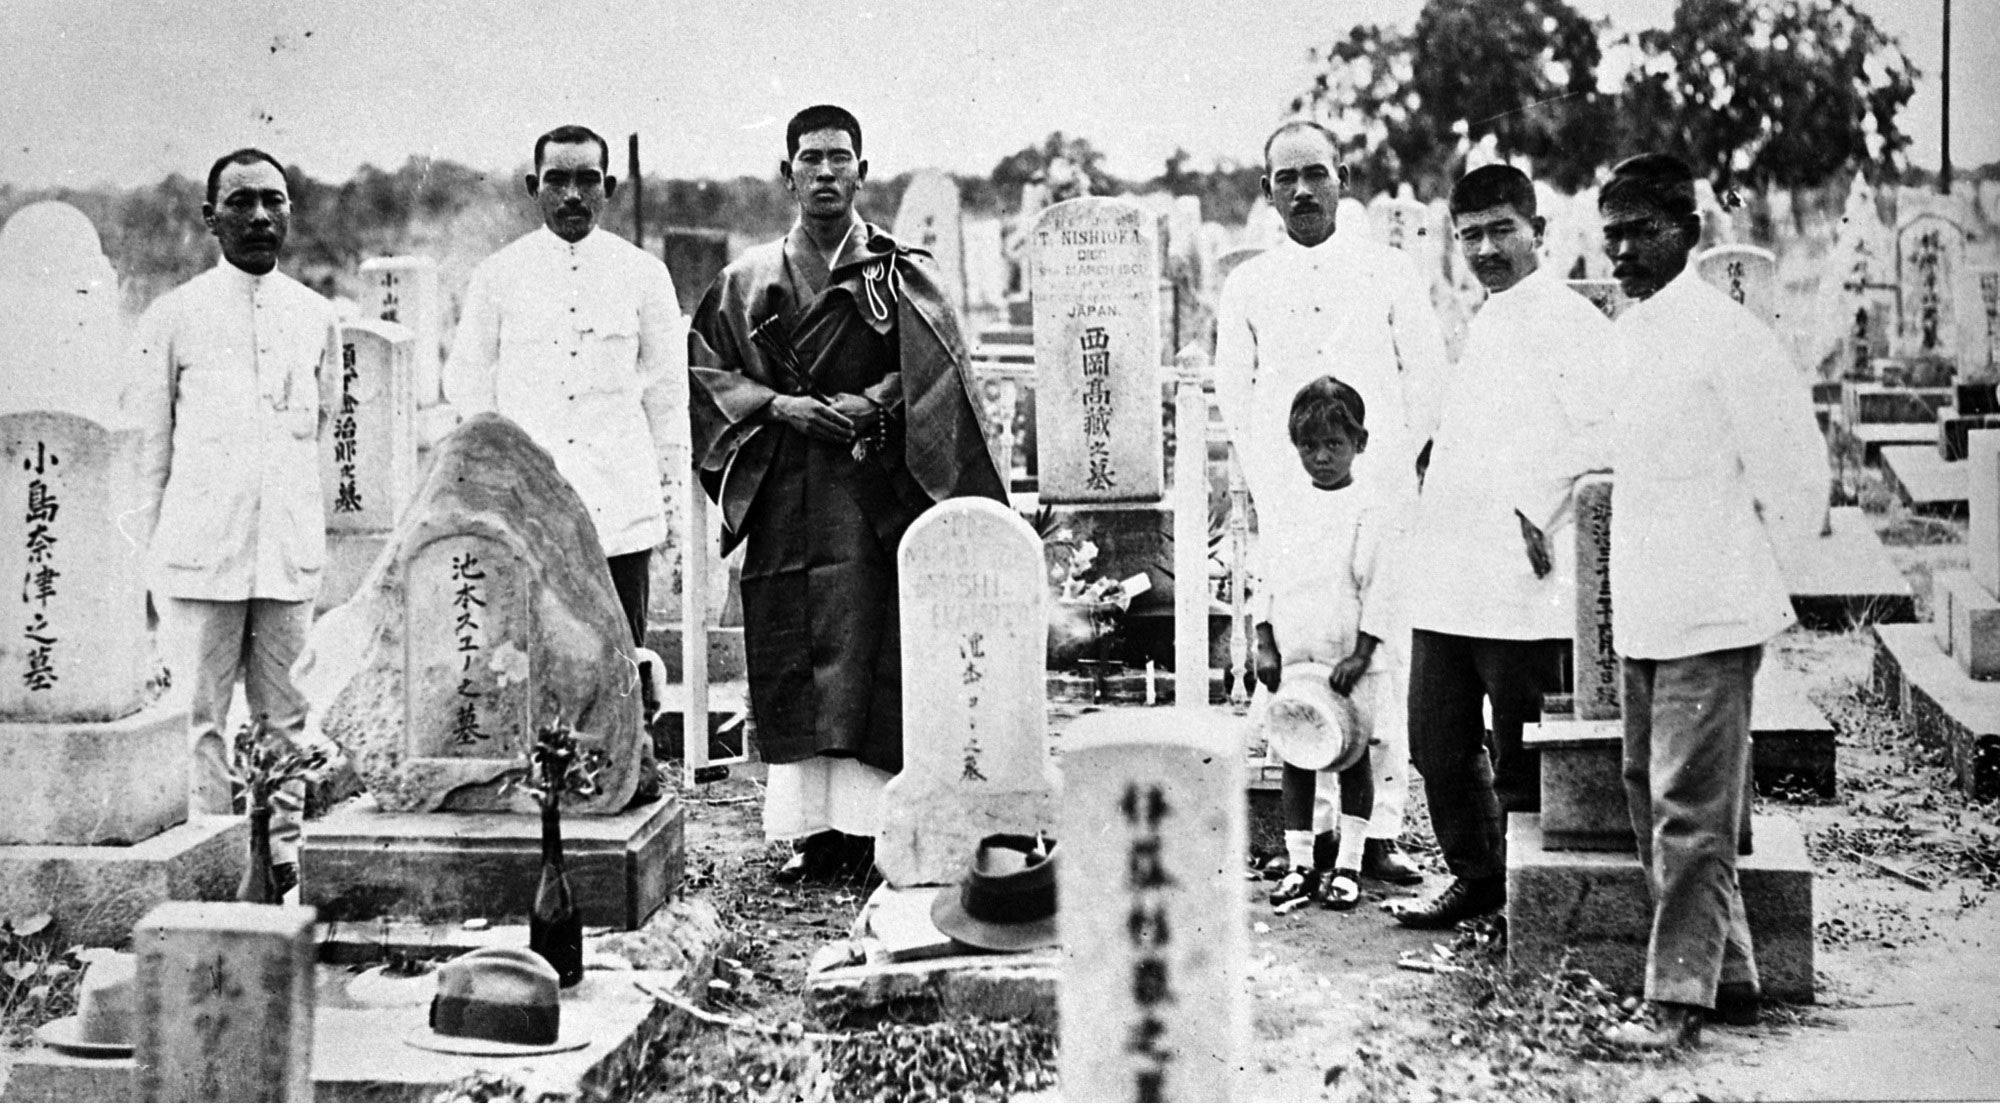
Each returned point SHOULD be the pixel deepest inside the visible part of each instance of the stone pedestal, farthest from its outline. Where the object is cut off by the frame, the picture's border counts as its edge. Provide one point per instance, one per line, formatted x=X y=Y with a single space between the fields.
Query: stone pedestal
x=1597 y=904
x=361 y=862
x=1845 y=578
x=1941 y=703
x=95 y=784
x=97 y=893
x=896 y=956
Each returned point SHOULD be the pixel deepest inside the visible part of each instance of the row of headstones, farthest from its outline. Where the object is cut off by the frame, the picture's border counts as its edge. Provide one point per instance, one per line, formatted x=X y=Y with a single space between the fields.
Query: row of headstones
x=1910 y=292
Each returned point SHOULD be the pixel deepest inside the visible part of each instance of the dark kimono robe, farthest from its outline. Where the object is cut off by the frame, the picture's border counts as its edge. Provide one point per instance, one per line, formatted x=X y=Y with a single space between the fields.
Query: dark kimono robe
x=821 y=526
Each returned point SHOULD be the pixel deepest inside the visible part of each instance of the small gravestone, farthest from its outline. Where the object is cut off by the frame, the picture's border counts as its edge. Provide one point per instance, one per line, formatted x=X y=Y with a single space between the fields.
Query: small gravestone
x=975 y=639
x=225 y=1004
x=74 y=643
x=368 y=453
x=1150 y=885
x=490 y=614
x=694 y=256
x=62 y=342
x=1930 y=263
x=1097 y=352
x=1597 y=670
x=404 y=290
x=1748 y=274
x=930 y=219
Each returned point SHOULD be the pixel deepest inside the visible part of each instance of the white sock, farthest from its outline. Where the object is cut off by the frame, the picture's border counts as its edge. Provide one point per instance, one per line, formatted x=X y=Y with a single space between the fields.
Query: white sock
x=1299 y=848
x=1353 y=838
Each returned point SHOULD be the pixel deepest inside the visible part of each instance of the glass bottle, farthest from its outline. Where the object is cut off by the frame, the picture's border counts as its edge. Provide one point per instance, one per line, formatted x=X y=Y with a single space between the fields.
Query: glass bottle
x=260 y=882
x=555 y=928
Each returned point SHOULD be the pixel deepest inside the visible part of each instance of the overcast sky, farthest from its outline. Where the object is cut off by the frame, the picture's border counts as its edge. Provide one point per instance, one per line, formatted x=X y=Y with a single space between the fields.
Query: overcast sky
x=126 y=91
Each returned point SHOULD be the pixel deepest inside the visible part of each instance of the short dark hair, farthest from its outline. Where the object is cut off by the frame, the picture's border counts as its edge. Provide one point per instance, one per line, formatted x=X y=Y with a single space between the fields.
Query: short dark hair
x=1290 y=125
x=821 y=117
x=1492 y=186
x=1659 y=181
x=1324 y=404
x=248 y=155
x=570 y=133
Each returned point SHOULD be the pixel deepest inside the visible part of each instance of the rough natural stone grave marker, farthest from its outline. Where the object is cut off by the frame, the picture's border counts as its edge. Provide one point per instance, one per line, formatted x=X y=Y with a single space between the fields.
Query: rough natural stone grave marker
x=225 y=1003
x=368 y=452
x=404 y=290
x=930 y=218
x=975 y=641
x=1596 y=662
x=1153 y=999
x=1097 y=352
x=489 y=613
x=1749 y=274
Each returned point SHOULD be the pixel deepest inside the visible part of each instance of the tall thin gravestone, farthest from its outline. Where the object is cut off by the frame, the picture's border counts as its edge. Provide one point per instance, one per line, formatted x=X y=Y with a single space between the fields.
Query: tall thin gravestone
x=368 y=455
x=1989 y=321
x=1097 y=352
x=975 y=641
x=930 y=218
x=1597 y=671
x=225 y=1004
x=404 y=290
x=1153 y=997
x=1748 y=274
x=1930 y=263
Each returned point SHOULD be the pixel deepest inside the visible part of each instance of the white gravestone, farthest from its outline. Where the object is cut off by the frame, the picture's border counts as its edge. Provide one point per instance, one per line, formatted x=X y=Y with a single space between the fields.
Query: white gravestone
x=1097 y=352
x=73 y=643
x=368 y=450
x=1930 y=263
x=930 y=218
x=975 y=641
x=1598 y=678
x=1153 y=1000
x=62 y=342
x=1748 y=274
x=225 y=1004
x=404 y=290
x=1989 y=321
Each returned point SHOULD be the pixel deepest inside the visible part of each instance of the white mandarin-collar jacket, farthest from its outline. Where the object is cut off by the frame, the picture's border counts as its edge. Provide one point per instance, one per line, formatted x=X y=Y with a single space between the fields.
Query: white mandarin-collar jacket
x=1348 y=307
x=584 y=346
x=234 y=375
x=1715 y=455
x=1518 y=419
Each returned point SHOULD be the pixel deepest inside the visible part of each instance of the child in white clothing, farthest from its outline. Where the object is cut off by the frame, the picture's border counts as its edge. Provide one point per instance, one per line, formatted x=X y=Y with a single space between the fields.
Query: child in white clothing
x=1318 y=541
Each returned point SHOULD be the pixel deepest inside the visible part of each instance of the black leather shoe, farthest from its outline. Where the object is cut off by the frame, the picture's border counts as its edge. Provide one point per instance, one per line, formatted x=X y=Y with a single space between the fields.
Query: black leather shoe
x=1463 y=900
x=286 y=874
x=1383 y=860
x=1739 y=1004
x=811 y=857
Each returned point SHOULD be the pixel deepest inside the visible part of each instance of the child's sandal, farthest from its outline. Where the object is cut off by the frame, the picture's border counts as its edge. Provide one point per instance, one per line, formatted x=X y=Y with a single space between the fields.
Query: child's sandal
x=1300 y=883
x=1343 y=891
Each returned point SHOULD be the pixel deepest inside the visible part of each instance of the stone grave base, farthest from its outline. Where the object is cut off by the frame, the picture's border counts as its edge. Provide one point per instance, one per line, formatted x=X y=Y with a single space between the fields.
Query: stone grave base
x=1583 y=786
x=97 y=893
x=1943 y=705
x=1924 y=481
x=116 y=782
x=1866 y=441
x=1965 y=621
x=361 y=862
x=1846 y=578
x=348 y=559
x=906 y=961
x=359 y=1055
x=1597 y=903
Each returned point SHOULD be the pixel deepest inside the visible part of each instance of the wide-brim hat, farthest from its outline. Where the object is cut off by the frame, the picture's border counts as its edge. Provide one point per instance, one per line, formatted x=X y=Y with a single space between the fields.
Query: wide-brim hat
x=497 y=1002
x=102 y=1025
x=1309 y=724
x=1006 y=902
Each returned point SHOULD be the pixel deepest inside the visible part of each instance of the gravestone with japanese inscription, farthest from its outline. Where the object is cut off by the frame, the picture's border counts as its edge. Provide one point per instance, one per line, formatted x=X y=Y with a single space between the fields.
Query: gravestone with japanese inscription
x=404 y=290
x=930 y=219
x=1097 y=352
x=1748 y=274
x=490 y=614
x=1930 y=264
x=1153 y=1001
x=224 y=1004
x=368 y=453
x=975 y=639
x=1986 y=356
x=1597 y=671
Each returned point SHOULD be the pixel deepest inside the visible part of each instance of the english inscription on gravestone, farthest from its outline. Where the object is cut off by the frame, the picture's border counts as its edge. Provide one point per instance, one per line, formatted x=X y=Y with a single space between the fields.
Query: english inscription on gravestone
x=1097 y=352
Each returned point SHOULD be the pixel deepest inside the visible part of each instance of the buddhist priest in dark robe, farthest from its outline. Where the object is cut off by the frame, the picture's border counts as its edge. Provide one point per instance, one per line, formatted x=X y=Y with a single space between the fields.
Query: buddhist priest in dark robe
x=831 y=406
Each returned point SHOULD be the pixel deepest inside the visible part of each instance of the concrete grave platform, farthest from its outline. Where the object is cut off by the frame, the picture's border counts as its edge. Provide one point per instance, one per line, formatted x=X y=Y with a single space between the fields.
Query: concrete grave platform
x=1597 y=904
x=1924 y=481
x=1966 y=623
x=894 y=956
x=88 y=784
x=97 y=893
x=361 y=862
x=1941 y=703
x=1846 y=578
x=359 y=1054
x=1866 y=441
